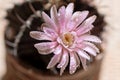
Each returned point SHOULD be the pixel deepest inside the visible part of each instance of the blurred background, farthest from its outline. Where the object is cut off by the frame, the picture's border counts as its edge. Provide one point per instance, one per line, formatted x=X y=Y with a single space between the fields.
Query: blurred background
x=4 y=5
x=110 y=8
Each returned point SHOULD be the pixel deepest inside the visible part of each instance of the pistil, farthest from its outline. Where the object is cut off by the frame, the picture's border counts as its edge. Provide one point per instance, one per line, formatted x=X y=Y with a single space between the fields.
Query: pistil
x=68 y=39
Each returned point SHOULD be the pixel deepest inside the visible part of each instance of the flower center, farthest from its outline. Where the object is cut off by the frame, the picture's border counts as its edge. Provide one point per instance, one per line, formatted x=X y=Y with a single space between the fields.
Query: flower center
x=68 y=39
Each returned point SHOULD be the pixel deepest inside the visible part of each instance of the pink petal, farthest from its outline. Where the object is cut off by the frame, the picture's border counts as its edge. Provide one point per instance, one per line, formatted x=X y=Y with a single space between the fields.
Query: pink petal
x=61 y=16
x=77 y=59
x=92 y=45
x=58 y=50
x=73 y=63
x=49 y=21
x=55 y=59
x=79 y=40
x=91 y=19
x=86 y=24
x=44 y=25
x=50 y=32
x=83 y=61
x=45 y=47
x=39 y=35
x=54 y=15
x=90 y=50
x=45 y=52
x=81 y=45
x=83 y=54
x=90 y=38
x=69 y=11
x=77 y=19
x=64 y=62
x=70 y=26
x=82 y=16
x=84 y=29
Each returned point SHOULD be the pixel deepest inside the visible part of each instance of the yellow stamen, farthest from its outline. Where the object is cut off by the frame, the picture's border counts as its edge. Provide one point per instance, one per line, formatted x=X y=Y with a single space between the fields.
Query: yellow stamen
x=68 y=39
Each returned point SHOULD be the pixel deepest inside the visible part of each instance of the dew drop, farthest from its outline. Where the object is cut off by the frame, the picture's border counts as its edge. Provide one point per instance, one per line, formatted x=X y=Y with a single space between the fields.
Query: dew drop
x=59 y=14
x=76 y=19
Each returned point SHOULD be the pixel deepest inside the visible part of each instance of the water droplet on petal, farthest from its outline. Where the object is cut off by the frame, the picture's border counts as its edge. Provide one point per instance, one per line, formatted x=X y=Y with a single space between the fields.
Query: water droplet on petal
x=59 y=14
x=76 y=19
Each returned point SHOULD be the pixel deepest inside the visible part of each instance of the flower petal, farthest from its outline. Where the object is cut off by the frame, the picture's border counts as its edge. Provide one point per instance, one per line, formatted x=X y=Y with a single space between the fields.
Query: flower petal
x=77 y=59
x=69 y=11
x=70 y=25
x=77 y=19
x=82 y=16
x=84 y=29
x=61 y=16
x=54 y=15
x=90 y=50
x=83 y=61
x=87 y=24
x=49 y=21
x=55 y=59
x=91 y=19
x=80 y=45
x=43 y=25
x=45 y=47
x=92 y=45
x=64 y=62
x=73 y=63
x=45 y=52
x=83 y=54
x=58 y=50
x=90 y=38
x=39 y=35
x=50 y=32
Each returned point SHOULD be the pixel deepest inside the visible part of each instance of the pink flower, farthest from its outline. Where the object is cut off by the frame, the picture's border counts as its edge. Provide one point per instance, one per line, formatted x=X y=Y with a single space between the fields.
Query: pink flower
x=70 y=39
